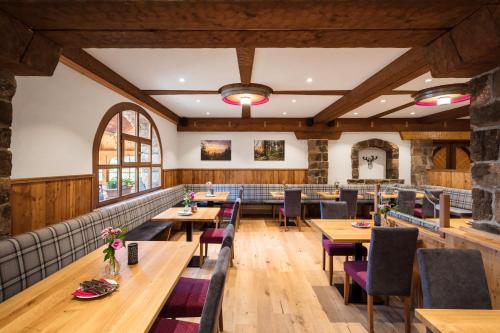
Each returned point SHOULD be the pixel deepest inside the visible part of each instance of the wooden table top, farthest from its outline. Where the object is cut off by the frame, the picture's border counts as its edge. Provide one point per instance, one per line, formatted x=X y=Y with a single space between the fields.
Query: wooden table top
x=342 y=231
x=281 y=195
x=219 y=196
x=455 y=321
x=48 y=306
x=203 y=214
x=333 y=195
x=394 y=195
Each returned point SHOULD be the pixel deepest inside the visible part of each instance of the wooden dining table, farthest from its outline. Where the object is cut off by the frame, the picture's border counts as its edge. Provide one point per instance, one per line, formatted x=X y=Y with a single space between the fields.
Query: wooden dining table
x=205 y=197
x=460 y=320
x=342 y=231
x=394 y=195
x=333 y=195
x=48 y=305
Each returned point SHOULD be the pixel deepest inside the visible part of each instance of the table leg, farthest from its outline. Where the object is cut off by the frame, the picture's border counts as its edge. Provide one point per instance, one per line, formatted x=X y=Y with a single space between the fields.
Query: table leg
x=195 y=260
x=189 y=231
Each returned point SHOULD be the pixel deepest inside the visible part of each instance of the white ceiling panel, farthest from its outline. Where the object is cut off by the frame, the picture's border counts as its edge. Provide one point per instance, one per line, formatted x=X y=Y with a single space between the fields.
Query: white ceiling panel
x=188 y=106
x=303 y=107
x=378 y=105
x=417 y=111
x=340 y=68
x=427 y=81
x=201 y=69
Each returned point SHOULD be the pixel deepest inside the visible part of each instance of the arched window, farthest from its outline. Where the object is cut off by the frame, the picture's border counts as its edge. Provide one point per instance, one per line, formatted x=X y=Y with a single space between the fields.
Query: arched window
x=127 y=154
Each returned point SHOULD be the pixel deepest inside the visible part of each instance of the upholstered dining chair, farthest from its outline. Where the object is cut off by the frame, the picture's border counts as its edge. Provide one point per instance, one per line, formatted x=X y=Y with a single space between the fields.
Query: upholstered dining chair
x=453 y=279
x=216 y=235
x=211 y=311
x=406 y=201
x=226 y=209
x=428 y=209
x=388 y=271
x=351 y=198
x=335 y=210
x=292 y=207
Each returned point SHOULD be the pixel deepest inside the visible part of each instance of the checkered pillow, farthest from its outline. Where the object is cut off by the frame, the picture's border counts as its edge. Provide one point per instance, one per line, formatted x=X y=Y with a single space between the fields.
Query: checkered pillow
x=414 y=220
x=459 y=198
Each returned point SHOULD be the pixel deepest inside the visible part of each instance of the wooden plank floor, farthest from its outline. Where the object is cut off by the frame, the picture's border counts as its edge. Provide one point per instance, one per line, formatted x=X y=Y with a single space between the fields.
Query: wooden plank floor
x=277 y=285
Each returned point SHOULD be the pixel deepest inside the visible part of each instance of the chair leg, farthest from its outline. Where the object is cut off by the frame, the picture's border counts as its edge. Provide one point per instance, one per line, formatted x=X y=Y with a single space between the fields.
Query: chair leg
x=168 y=234
x=370 y=313
x=201 y=255
x=279 y=218
x=347 y=287
x=285 y=219
x=407 y=305
x=298 y=222
x=274 y=212
x=331 y=269
x=221 y=321
x=232 y=256
x=324 y=258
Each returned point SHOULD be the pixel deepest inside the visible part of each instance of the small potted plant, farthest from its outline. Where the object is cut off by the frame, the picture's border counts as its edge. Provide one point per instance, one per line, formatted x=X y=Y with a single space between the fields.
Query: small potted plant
x=285 y=186
x=385 y=208
x=210 y=188
x=127 y=186
x=188 y=200
x=115 y=240
x=336 y=185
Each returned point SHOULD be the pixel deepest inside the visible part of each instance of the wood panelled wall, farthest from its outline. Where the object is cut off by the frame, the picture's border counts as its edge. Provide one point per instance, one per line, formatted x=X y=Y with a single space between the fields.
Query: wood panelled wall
x=234 y=176
x=39 y=202
x=450 y=178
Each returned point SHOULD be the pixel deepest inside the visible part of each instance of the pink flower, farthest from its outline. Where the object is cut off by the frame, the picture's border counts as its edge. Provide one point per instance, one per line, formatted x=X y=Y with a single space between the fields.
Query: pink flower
x=116 y=231
x=117 y=244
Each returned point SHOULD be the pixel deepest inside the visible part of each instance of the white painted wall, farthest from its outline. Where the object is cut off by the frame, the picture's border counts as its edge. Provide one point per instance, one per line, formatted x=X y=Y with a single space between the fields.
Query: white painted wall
x=241 y=150
x=339 y=154
x=55 y=120
x=378 y=165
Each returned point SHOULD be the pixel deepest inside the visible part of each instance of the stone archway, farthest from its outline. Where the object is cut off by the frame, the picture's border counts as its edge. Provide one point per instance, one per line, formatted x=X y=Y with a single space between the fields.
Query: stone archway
x=391 y=155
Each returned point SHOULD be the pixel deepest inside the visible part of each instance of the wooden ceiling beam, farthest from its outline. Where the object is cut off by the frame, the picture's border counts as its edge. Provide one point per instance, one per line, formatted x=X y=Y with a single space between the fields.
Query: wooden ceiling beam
x=279 y=92
x=396 y=109
x=410 y=65
x=180 y=92
x=25 y=52
x=317 y=135
x=89 y=66
x=246 y=111
x=455 y=113
x=239 y=15
x=245 y=63
x=249 y=38
x=299 y=125
x=441 y=135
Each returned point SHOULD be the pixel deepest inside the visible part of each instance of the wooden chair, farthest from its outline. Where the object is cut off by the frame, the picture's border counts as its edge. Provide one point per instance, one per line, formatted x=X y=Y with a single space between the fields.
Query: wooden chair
x=292 y=207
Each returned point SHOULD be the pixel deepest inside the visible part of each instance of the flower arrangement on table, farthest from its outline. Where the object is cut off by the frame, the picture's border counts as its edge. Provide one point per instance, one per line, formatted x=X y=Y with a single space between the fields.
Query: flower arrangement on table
x=387 y=207
x=188 y=199
x=210 y=187
x=115 y=238
x=336 y=185
x=285 y=186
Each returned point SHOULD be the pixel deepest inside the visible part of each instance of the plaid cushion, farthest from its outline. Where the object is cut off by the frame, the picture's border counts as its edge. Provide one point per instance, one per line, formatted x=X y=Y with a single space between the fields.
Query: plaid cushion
x=459 y=198
x=30 y=257
x=414 y=220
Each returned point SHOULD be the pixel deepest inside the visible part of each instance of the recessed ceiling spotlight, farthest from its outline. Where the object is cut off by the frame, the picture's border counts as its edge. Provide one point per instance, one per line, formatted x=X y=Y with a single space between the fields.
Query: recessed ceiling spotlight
x=355 y=113
x=309 y=80
x=412 y=113
x=428 y=80
x=207 y=113
x=294 y=101
x=182 y=80
x=198 y=101
x=383 y=101
x=284 y=113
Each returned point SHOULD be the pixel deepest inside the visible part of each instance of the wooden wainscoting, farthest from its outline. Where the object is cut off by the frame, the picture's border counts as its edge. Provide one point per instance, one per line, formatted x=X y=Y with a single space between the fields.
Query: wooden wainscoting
x=234 y=176
x=39 y=202
x=450 y=178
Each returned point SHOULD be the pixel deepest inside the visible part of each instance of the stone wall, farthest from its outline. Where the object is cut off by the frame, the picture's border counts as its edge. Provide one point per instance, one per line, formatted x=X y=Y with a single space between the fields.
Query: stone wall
x=485 y=151
x=391 y=155
x=7 y=90
x=421 y=161
x=317 y=172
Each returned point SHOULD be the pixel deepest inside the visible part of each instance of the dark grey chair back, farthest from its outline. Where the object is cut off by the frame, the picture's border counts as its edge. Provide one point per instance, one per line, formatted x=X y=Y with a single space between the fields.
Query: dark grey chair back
x=333 y=209
x=351 y=198
x=228 y=238
x=390 y=261
x=293 y=202
x=453 y=279
x=236 y=211
x=431 y=199
x=240 y=192
x=209 y=322
x=406 y=201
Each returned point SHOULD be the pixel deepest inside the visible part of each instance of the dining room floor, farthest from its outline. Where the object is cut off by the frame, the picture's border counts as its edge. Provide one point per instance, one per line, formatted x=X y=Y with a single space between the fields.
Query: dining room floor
x=277 y=284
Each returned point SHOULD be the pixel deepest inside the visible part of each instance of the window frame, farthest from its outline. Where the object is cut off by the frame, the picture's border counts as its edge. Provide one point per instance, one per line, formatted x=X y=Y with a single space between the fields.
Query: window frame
x=108 y=116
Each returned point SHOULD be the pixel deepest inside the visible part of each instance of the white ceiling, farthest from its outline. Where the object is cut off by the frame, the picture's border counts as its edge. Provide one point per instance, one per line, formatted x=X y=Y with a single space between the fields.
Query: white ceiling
x=422 y=111
x=304 y=106
x=376 y=106
x=187 y=106
x=342 y=68
x=202 y=69
x=419 y=83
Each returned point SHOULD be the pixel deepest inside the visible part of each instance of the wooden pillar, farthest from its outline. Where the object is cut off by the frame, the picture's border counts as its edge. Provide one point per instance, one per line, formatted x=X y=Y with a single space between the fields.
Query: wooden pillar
x=444 y=210
x=7 y=91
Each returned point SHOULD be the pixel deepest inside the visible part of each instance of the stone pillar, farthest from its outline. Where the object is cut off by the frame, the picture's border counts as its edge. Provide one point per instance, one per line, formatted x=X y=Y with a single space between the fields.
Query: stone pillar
x=421 y=161
x=485 y=151
x=317 y=172
x=7 y=91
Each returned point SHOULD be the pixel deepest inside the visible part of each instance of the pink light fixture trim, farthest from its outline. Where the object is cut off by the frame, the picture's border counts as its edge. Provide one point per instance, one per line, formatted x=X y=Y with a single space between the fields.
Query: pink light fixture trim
x=443 y=95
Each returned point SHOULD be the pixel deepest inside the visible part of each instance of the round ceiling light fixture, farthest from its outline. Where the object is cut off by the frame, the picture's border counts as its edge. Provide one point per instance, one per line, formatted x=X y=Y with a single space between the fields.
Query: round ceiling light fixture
x=443 y=95
x=245 y=94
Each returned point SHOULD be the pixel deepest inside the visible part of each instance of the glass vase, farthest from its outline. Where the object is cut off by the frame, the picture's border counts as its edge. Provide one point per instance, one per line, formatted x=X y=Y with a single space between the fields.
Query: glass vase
x=113 y=267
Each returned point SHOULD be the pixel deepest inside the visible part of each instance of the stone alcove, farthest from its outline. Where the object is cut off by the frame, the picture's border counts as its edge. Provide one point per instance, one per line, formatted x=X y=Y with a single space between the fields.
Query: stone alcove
x=391 y=165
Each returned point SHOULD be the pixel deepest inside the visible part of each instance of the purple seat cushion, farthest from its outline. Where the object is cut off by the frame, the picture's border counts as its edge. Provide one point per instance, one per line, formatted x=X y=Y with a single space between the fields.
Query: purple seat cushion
x=340 y=249
x=358 y=271
x=187 y=299
x=162 y=325
x=212 y=236
x=225 y=212
x=282 y=211
x=227 y=205
x=418 y=212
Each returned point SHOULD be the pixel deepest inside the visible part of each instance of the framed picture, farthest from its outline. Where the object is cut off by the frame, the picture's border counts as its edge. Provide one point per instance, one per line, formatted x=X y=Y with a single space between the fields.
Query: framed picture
x=216 y=150
x=269 y=150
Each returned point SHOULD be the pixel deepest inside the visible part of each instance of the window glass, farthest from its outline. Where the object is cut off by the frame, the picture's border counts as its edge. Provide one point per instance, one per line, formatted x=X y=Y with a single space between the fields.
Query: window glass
x=145 y=153
x=128 y=180
x=108 y=184
x=144 y=179
x=144 y=127
x=108 y=149
x=156 y=177
x=129 y=122
x=129 y=151
x=156 y=151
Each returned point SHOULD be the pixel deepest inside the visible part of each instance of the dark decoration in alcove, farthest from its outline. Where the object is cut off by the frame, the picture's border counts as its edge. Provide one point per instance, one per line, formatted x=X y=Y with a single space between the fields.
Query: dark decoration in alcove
x=370 y=160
